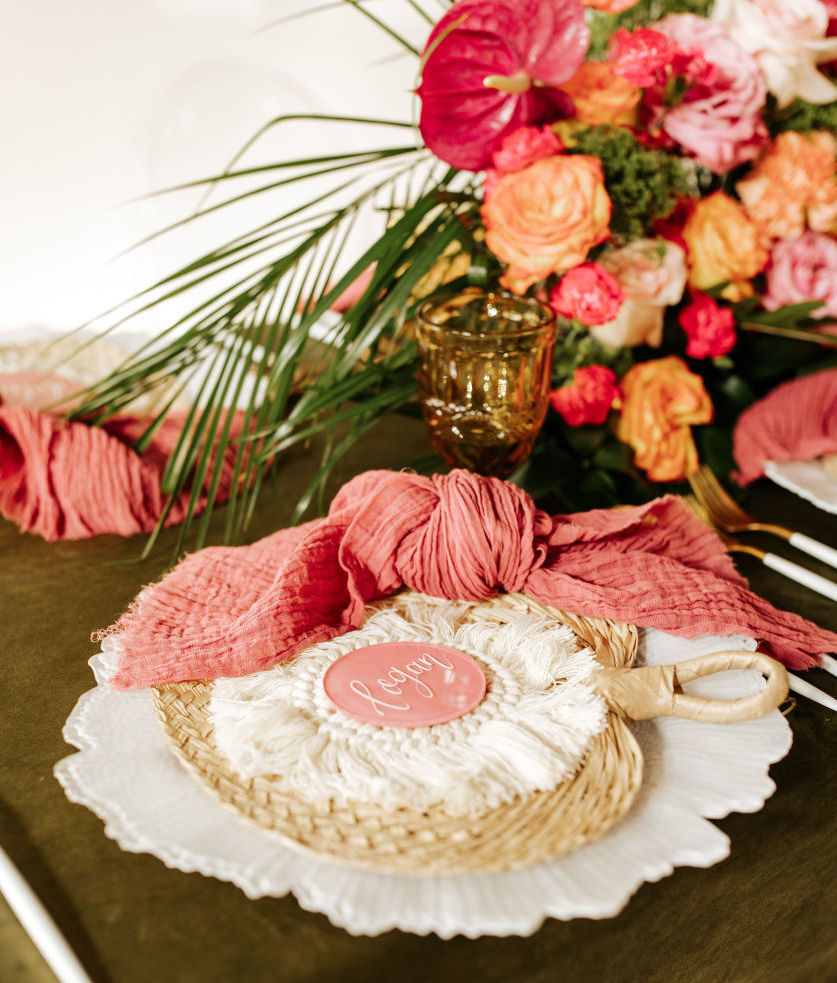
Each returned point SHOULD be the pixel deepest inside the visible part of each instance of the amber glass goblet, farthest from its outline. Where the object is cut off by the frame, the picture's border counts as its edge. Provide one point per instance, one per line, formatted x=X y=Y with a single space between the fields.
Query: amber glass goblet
x=484 y=370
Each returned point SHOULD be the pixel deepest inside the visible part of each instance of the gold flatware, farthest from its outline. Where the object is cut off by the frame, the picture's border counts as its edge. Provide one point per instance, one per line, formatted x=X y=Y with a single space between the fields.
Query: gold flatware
x=728 y=515
x=799 y=686
x=789 y=569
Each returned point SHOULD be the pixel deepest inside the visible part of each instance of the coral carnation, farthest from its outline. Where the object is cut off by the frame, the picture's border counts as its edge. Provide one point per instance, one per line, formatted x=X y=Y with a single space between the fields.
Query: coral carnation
x=523 y=147
x=610 y=6
x=589 y=397
x=587 y=293
x=710 y=327
x=642 y=56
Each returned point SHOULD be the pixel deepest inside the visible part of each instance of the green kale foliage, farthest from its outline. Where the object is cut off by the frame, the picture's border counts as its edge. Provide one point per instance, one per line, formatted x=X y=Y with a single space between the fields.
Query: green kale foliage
x=643 y=184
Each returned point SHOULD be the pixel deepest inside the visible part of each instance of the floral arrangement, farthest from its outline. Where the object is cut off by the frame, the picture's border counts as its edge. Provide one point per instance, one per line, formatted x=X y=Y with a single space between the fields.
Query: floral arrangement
x=653 y=180
x=661 y=173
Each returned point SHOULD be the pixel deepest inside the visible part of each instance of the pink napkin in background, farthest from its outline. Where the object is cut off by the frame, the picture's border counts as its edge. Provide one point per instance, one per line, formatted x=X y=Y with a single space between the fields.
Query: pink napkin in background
x=227 y=611
x=795 y=422
x=64 y=480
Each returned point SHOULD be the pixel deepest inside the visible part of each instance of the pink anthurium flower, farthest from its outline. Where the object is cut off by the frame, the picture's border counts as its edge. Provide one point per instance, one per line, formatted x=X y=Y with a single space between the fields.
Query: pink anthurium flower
x=490 y=67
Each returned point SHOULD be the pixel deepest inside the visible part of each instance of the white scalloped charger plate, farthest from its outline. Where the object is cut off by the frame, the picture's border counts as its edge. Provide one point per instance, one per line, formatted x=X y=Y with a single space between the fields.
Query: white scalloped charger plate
x=808 y=479
x=125 y=772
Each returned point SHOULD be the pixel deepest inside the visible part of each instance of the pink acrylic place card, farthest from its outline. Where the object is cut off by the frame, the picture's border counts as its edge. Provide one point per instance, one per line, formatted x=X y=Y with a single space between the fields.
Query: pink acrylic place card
x=405 y=684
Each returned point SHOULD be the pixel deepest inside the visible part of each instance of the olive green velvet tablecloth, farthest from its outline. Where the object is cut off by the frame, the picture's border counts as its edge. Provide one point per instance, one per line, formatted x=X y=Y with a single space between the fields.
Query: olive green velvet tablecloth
x=768 y=914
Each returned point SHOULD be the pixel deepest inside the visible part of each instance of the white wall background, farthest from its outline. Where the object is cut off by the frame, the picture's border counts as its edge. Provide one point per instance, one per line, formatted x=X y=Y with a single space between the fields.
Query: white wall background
x=102 y=101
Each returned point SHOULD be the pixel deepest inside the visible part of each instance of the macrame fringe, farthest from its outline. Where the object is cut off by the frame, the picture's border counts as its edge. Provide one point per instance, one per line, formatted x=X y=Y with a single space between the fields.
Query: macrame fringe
x=531 y=731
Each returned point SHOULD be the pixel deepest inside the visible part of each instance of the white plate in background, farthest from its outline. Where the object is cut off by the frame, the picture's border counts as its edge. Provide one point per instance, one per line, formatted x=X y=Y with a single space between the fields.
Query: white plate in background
x=810 y=480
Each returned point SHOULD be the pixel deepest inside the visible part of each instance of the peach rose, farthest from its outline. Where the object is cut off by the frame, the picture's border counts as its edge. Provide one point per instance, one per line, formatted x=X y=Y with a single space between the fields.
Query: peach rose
x=652 y=275
x=546 y=218
x=794 y=186
x=600 y=96
x=660 y=399
x=724 y=244
x=635 y=324
x=652 y=271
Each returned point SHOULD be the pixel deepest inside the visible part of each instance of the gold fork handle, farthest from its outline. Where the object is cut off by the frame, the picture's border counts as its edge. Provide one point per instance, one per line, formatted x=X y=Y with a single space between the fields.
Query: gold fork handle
x=769 y=527
x=653 y=691
x=812 y=547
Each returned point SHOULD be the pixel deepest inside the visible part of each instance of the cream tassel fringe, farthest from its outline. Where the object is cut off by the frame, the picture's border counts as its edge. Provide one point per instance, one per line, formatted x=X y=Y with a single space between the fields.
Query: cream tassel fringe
x=530 y=732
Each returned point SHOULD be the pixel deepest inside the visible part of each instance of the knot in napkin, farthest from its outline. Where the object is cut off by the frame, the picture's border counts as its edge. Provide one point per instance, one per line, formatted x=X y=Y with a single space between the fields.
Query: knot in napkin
x=458 y=535
x=795 y=422
x=228 y=611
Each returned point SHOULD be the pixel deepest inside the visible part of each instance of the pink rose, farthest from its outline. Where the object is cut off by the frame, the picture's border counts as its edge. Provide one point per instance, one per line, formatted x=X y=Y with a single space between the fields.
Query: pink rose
x=831 y=32
x=587 y=293
x=589 y=397
x=523 y=147
x=652 y=273
x=710 y=327
x=803 y=269
x=719 y=122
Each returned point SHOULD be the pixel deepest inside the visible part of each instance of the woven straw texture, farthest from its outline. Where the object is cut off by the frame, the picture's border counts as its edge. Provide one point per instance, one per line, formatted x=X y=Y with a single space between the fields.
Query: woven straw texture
x=527 y=831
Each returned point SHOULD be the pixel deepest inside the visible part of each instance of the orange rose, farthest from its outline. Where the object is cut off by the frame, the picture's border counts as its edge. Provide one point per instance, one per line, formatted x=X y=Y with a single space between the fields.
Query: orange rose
x=660 y=399
x=600 y=96
x=794 y=186
x=724 y=244
x=546 y=218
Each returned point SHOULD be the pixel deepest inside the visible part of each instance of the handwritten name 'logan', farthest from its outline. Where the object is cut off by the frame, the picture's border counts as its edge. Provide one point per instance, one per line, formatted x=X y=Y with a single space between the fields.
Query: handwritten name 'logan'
x=395 y=681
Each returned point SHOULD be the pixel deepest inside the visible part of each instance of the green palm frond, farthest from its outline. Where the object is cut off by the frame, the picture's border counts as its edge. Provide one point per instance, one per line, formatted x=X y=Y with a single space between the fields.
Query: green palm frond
x=262 y=298
x=260 y=312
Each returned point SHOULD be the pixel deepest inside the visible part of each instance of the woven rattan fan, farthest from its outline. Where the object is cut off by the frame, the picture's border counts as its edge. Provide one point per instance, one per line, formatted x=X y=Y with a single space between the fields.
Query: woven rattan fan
x=531 y=829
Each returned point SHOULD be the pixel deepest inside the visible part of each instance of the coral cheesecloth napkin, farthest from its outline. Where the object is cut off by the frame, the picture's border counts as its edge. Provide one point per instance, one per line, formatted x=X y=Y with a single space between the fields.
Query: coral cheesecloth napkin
x=795 y=422
x=227 y=611
x=65 y=480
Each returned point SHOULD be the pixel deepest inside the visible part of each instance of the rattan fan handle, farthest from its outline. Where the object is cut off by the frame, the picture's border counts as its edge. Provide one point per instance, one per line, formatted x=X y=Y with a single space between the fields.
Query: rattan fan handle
x=652 y=691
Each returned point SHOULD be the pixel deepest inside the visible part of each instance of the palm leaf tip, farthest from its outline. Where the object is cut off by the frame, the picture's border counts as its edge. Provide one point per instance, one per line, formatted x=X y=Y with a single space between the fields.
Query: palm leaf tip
x=246 y=343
